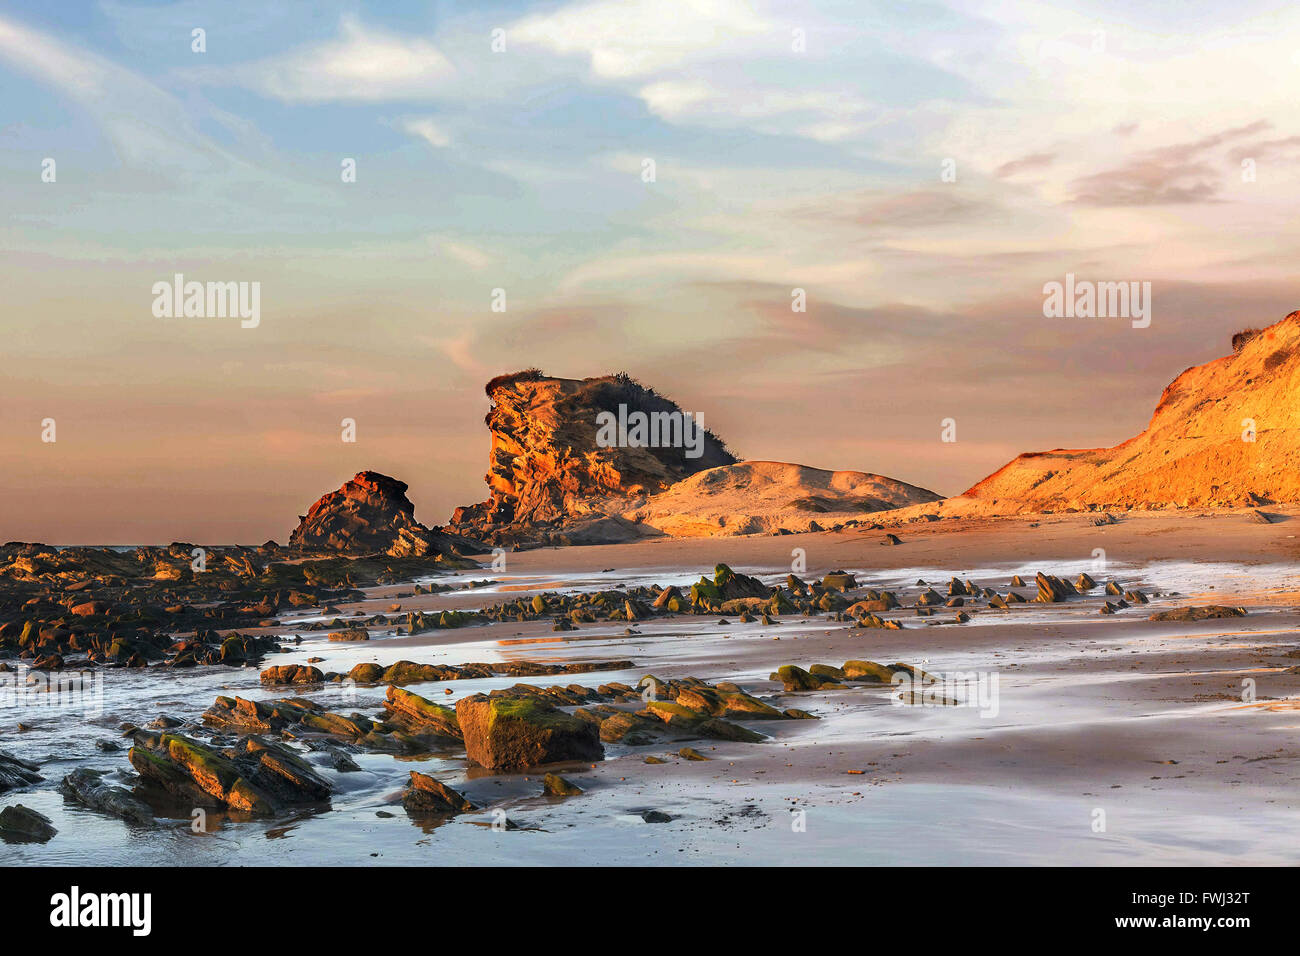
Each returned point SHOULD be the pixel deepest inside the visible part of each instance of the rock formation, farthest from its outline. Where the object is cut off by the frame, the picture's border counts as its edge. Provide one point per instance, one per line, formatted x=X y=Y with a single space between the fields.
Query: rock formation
x=369 y=514
x=553 y=480
x=546 y=459
x=1224 y=434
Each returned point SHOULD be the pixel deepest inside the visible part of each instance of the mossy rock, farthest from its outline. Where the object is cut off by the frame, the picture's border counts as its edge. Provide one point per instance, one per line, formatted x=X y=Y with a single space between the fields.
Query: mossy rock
x=795 y=678
x=553 y=785
x=368 y=673
x=867 y=671
x=671 y=713
x=515 y=732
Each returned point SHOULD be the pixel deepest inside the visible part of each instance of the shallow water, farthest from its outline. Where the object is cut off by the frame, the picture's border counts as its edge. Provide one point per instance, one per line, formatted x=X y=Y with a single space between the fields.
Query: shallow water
x=878 y=817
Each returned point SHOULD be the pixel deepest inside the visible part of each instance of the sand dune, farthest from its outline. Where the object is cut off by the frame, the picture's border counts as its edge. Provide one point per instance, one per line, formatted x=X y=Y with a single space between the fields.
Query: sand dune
x=767 y=496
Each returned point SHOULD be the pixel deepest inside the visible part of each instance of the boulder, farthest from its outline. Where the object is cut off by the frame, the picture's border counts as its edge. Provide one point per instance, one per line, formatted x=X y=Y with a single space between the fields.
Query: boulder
x=515 y=732
x=427 y=795
x=20 y=824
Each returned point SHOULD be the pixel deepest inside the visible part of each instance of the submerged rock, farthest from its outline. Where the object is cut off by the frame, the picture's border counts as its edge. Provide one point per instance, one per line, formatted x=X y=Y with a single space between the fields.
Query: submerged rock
x=16 y=773
x=87 y=787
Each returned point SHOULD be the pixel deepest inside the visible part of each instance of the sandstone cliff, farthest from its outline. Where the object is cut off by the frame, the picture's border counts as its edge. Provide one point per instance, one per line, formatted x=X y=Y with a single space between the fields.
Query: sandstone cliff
x=545 y=461
x=1195 y=452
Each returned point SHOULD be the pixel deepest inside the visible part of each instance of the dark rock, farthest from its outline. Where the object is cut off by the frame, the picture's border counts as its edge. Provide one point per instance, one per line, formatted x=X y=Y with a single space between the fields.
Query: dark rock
x=87 y=787
x=19 y=824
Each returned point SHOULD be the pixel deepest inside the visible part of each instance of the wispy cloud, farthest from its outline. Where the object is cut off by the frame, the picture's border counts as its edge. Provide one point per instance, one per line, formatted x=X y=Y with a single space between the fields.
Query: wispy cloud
x=428 y=130
x=1173 y=174
x=362 y=64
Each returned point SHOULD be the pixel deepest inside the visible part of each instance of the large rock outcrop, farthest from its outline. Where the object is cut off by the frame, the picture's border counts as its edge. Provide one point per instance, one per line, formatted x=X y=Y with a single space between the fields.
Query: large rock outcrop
x=547 y=460
x=552 y=479
x=369 y=514
x=1197 y=450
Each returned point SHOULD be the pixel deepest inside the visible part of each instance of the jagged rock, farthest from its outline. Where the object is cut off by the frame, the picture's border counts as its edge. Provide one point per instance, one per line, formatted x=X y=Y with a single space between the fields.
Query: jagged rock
x=515 y=732
x=727 y=585
x=546 y=461
x=1051 y=589
x=20 y=824
x=87 y=787
x=418 y=715
x=427 y=795
x=370 y=513
x=262 y=780
x=351 y=635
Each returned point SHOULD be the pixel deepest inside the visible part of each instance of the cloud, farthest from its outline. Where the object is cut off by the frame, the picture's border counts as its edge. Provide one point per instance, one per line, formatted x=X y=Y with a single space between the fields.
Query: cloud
x=1033 y=161
x=463 y=252
x=1172 y=174
x=147 y=127
x=427 y=130
x=631 y=38
x=363 y=64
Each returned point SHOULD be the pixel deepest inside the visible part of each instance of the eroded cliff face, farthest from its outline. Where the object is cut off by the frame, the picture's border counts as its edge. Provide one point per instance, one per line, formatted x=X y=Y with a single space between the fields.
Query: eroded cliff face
x=1196 y=450
x=546 y=461
x=369 y=514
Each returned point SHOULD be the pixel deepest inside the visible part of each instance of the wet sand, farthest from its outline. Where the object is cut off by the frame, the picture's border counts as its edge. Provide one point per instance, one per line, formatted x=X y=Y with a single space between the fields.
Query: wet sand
x=1116 y=740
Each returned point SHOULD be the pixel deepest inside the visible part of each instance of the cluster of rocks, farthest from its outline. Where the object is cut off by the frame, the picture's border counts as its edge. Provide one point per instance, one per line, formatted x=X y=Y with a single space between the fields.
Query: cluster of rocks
x=829 y=677
x=101 y=606
x=246 y=765
x=409 y=672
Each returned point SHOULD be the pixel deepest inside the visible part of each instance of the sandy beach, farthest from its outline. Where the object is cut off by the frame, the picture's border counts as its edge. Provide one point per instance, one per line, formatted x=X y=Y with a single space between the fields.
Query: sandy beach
x=1108 y=739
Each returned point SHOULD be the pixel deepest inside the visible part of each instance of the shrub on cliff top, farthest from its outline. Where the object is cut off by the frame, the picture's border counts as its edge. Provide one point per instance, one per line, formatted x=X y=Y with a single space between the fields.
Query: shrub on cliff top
x=527 y=375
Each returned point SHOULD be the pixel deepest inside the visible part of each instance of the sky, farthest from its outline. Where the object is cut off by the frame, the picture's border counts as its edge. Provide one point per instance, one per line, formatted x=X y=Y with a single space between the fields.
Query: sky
x=920 y=170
